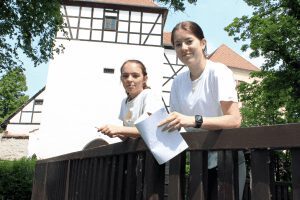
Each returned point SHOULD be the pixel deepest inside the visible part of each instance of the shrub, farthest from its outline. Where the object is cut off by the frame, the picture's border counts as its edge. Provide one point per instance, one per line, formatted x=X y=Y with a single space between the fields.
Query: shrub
x=16 y=178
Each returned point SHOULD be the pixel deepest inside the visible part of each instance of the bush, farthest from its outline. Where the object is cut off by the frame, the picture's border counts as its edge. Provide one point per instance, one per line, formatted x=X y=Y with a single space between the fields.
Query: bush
x=16 y=179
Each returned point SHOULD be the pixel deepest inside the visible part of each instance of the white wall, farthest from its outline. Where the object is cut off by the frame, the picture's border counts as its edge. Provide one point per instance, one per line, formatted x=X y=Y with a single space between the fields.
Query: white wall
x=80 y=96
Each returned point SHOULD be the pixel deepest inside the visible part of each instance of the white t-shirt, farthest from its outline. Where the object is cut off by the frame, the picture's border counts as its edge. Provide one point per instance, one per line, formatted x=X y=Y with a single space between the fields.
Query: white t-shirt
x=146 y=101
x=203 y=95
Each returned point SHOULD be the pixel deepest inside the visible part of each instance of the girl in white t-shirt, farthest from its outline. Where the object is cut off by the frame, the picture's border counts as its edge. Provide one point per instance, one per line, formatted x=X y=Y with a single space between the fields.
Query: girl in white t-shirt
x=204 y=97
x=140 y=99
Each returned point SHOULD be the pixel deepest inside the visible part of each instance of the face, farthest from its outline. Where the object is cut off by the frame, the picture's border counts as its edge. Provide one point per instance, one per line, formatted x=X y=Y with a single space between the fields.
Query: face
x=189 y=48
x=133 y=79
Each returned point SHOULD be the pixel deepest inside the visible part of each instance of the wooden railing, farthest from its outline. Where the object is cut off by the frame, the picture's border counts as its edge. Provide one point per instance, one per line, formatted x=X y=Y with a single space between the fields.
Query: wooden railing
x=127 y=170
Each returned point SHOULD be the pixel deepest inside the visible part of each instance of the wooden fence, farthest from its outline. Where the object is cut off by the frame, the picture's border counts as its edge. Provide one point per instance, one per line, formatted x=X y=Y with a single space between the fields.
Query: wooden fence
x=128 y=171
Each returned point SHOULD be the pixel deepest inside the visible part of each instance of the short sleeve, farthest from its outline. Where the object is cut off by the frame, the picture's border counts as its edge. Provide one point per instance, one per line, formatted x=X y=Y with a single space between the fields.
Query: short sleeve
x=225 y=84
x=152 y=103
x=122 y=110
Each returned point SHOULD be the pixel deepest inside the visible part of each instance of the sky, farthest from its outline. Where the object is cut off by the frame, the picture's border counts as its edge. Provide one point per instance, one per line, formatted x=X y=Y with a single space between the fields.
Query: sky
x=211 y=15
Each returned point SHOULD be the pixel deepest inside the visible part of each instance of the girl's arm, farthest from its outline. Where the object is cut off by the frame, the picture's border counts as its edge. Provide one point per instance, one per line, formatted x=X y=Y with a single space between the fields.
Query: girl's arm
x=119 y=131
x=230 y=119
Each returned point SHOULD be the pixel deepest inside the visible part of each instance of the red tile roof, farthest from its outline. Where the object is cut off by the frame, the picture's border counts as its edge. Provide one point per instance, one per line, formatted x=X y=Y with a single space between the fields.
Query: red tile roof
x=148 y=3
x=227 y=56
x=167 y=39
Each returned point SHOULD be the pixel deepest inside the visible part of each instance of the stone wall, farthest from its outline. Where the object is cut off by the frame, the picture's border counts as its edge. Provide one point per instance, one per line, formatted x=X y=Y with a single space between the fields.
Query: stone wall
x=11 y=148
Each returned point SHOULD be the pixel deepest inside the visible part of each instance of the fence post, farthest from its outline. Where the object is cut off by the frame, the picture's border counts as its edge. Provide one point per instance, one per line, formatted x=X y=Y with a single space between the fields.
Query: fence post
x=198 y=175
x=296 y=173
x=260 y=173
x=154 y=179
x=227 y=175
x=176 y=188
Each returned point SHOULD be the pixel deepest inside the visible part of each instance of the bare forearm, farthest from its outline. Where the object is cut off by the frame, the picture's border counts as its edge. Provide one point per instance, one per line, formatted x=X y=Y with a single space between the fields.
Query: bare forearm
x=222 y=122
x=215 y=123
x=119 y=131
x=129 y=132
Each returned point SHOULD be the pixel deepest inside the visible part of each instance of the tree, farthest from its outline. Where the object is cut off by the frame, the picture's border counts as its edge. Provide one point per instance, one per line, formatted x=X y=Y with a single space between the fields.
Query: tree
x=273 y=31
x=177 y=5
x=28 y=27
x=12 y=88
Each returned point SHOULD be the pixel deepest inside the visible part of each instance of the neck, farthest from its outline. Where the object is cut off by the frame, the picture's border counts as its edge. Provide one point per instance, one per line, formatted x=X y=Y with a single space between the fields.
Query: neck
x=197 y=69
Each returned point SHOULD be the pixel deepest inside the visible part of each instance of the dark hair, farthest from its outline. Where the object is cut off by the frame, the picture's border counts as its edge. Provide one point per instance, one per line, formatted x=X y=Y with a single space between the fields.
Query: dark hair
x=142 y=66
x=191 y=27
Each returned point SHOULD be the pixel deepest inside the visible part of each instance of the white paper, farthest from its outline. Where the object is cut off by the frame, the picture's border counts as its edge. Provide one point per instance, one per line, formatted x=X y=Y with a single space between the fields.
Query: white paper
x=164 y=145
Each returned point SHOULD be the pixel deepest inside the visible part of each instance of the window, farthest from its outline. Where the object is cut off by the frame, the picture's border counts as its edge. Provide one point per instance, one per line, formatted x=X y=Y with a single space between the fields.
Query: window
x=38 y=102
x=109 y=70
x=110 y=23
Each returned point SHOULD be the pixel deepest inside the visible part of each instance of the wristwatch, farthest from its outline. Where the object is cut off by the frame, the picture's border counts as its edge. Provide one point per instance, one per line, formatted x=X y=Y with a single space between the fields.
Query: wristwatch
x=198 y=121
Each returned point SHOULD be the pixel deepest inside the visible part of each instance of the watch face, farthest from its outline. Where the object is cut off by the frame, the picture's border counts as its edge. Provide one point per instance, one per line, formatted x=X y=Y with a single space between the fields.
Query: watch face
x=198 y=120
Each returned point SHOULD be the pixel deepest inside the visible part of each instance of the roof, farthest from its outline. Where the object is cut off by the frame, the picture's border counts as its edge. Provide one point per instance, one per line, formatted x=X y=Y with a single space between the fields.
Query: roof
x=227 y=56
x=135 y=5
x=6 y=121
x=149 y=3
x=167 y=39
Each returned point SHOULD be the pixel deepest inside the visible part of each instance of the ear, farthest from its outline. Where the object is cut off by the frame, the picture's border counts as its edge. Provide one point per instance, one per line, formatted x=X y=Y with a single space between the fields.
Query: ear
x=145 y=78
x=203 y=43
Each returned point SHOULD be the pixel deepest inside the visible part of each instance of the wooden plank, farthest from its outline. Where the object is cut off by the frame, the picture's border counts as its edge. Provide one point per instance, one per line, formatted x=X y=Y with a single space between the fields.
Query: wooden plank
x=260 y=174
x=120 y=186
x=72 y=181
x=139 y=174
x=130 y=180
x=111 y=192
x=106 y=176
x=126 y=147
x=198 y=175
x=80 y=180
x=296 y=173
x=84 y=179
x=38 y=187
x=67 y=180
x=100 y=179
x=154 y=179
x=92 y=178
x=177 y=177
x=76 y=181
x=227 y=174
x=277 y=136
x=55 y=178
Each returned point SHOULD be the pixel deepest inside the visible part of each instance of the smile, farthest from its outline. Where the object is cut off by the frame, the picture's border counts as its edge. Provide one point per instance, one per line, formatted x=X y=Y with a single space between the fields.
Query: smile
x=187 y=55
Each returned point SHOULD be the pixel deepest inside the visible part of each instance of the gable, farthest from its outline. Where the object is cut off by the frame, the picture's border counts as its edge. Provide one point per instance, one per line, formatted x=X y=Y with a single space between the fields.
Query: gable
x=230 y=58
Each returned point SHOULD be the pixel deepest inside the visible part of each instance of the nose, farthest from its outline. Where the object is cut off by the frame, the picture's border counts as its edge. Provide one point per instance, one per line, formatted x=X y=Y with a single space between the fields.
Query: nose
x=184 y=46
x=130 y=78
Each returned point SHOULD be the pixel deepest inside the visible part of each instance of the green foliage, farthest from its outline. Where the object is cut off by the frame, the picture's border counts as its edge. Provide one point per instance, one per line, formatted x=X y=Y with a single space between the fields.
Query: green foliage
x=12 y=88
x=263 y=106
x=282 y=166
x=30 y=27
x=177 y=5
x=274 y=33
x=16 y=178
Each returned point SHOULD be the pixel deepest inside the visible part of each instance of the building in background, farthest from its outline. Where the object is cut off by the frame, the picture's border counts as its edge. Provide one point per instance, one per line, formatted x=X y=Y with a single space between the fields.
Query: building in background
x=83 y=88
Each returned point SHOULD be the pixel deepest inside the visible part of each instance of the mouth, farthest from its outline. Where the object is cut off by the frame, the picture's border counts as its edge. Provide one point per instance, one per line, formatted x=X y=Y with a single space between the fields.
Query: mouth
x=187 y=55
x=130 y=86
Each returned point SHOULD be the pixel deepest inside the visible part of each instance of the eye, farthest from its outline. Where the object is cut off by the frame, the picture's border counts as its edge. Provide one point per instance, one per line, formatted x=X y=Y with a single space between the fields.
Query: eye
x=135 y=75
x=124 y=76
x=177 y=44
x=189 y=42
